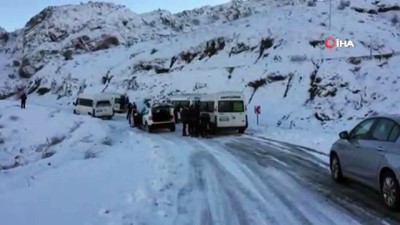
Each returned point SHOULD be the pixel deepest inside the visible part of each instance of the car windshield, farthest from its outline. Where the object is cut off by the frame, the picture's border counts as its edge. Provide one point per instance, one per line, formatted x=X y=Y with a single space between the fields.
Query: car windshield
x=230 y=106
x=103 y=104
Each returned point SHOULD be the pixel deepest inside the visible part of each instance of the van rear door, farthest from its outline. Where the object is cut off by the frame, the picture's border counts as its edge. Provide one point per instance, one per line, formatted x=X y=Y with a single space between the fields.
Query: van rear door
x=231 y=113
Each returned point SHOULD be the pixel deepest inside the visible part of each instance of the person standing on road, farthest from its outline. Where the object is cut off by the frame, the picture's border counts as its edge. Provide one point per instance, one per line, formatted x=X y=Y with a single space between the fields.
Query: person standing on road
x=204 y=123
x=133 y=120
x=197 y=119
x=184 y=120
x=192 y=120
x=23 y=100
x=129 y=112
x=176 y=110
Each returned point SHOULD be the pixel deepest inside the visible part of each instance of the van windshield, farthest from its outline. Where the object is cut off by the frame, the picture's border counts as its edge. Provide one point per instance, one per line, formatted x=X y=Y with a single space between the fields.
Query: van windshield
x=230 y=106
x=103 y=104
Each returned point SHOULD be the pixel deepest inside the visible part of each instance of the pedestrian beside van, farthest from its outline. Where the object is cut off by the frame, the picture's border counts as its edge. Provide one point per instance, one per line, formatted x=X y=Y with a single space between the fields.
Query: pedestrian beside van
x=95 y=105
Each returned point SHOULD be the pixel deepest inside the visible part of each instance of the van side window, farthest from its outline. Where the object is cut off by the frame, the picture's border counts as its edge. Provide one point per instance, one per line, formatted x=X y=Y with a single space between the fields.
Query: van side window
x=85 y=102
x=207 y=106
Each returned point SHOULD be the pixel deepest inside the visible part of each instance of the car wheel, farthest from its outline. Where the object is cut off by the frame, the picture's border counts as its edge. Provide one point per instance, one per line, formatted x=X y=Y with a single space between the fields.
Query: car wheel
x=148 y=128
x=241 y=130
x=336 y=170
x=172 y=128
x=390 y=191
x=75 y=112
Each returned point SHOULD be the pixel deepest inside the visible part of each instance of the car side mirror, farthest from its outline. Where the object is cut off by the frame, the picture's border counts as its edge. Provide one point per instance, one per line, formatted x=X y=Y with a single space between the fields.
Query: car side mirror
x=344 y=135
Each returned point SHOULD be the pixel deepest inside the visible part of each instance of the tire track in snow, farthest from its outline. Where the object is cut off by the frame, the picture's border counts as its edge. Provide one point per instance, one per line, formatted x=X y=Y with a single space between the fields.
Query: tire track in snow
x=272 y=195
x=355 y=202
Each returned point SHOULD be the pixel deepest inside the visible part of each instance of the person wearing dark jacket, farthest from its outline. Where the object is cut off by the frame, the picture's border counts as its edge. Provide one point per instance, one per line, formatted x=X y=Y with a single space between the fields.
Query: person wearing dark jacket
x=129 y=112
x=197 y=120
x=192 y=120
x=133 y=120
x=23 y=100
x=176 y=110
x=204 y=124
x=184 y=120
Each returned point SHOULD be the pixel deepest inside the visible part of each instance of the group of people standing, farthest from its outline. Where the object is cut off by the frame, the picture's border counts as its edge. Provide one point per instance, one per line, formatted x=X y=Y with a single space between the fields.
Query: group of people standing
x=194 y=123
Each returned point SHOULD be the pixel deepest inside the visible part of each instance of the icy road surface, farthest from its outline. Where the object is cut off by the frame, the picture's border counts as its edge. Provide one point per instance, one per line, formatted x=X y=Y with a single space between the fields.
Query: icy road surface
x=166 y=179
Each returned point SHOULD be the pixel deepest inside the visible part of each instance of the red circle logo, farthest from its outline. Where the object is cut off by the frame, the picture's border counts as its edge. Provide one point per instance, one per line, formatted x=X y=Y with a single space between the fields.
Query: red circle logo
x=330 y=42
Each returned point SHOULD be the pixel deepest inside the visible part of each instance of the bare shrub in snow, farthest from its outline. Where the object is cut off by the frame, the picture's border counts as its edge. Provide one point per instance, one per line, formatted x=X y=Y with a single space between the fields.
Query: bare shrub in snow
x=298 y=58
x=106 y=43
x=89 y=155
x=16 y=63
x=55 y=140
x=312 y=3
x=68 y=54
x=343 y=4
x=43 y=90
x=196 y=22
x=395 y=19
x=47 y=154
x=1 y=126
x=257 y=83
x=14 y=118
x=153 y=51
x=107 y=141
x=2 y=141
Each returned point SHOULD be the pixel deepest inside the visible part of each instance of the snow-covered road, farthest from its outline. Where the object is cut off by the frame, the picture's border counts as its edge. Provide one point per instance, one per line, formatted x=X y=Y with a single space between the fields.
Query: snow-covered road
x=166 y=179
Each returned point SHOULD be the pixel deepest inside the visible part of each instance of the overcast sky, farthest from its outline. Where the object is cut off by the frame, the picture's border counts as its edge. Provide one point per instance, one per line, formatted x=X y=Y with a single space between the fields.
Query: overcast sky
x=15 y=13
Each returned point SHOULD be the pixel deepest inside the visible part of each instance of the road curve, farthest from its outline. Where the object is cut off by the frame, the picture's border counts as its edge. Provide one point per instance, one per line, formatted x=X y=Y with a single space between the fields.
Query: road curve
x=241 y=180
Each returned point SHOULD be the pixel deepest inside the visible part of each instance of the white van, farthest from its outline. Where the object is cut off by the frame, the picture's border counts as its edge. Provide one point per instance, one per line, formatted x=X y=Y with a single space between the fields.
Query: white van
x=227 y=110
x=119 y=101
x=96 y=105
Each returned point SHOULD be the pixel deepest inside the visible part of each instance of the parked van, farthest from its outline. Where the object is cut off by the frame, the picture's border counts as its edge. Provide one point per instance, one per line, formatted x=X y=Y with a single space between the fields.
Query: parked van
x=96 y=105
x=227 y=110
x=182 y=100
x=119 y=101
x=158 y=116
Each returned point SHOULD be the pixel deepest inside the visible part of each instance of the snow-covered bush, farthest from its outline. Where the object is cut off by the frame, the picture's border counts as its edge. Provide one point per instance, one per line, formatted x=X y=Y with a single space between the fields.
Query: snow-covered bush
x=343 y=4
x=107 y=141
x=395 y=19
x=90 y=155
x=14 y=118
x=54 y=140
x=298 y=58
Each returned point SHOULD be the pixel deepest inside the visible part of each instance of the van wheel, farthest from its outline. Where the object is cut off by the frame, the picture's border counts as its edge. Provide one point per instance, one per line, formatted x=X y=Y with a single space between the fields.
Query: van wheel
x=172 y=128
x=241 y=130
x=390 y=190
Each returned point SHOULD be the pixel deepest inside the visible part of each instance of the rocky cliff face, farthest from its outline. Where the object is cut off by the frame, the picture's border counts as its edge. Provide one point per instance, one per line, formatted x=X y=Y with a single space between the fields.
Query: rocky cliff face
x=64 y=31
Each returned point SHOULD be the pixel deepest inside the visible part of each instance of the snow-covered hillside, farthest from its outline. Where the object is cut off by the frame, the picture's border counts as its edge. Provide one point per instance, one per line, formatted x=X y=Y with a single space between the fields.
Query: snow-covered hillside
x=271 y=50
x=60 y=168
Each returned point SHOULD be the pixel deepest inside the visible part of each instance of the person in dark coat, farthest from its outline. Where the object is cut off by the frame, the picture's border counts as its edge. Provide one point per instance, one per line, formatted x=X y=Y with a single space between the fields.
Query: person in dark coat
x=204 y=124
x=23 y=100
x=197 y=120
x=133 y=120
x=184 y=120
x=176 y=110
x=129 y=112
x=192 y=120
